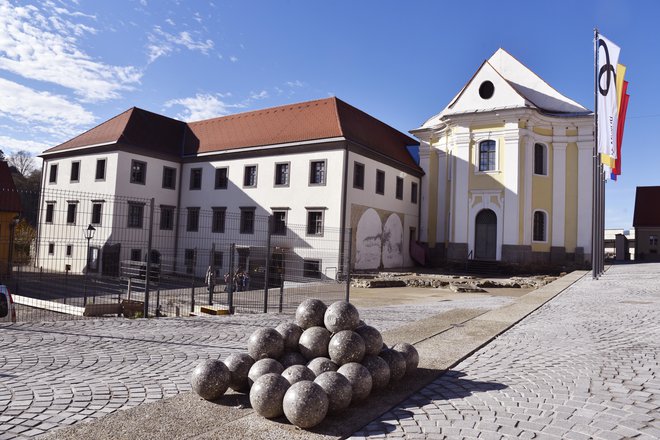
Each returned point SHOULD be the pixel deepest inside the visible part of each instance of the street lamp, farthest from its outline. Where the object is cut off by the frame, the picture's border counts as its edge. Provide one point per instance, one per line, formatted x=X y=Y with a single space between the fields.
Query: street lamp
x=89 y=234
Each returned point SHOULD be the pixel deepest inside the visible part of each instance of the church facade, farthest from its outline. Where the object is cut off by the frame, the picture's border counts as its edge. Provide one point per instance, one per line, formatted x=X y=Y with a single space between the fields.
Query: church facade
x=508 y=171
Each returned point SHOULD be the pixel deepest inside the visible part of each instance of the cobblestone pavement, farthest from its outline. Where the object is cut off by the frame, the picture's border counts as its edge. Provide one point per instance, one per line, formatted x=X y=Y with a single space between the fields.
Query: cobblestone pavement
x=59 y=373
x=585 y=365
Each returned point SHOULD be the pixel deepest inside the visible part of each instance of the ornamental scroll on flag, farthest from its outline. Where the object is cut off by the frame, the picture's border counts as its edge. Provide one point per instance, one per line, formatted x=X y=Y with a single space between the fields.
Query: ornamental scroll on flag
x=607 y=101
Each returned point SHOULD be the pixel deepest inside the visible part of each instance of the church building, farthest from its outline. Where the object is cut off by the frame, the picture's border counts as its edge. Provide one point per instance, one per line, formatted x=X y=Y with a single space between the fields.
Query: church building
x=508 y=171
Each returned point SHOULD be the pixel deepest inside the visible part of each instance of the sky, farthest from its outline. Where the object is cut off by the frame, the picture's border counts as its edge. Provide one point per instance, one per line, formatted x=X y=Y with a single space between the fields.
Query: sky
x=68 y=65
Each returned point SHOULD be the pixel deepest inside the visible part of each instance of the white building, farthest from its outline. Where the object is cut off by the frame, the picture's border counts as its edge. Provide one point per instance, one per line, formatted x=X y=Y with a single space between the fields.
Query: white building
x=508 y=171
x=323 y=165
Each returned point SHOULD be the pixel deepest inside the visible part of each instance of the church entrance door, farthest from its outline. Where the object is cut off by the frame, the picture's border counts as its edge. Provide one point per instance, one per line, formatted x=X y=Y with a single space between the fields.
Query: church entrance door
x=485 y=235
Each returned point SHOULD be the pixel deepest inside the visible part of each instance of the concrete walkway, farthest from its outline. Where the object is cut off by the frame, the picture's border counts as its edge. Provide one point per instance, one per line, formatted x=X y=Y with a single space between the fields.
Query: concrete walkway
x=586 y=365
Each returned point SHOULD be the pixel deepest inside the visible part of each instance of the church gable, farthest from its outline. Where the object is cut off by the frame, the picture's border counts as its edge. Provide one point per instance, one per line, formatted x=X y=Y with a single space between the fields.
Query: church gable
x=487 y=90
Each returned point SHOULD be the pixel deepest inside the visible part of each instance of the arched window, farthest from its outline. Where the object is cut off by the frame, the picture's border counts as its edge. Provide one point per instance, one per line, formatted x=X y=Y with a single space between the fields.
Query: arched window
x=487 y=156
x=540 y=159
x=539 y=226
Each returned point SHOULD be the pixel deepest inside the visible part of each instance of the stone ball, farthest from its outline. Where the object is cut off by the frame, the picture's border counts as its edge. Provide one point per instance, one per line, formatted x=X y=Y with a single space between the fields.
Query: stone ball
x=310 y=313
x=346 y=346
x=338 y=389
x=314 y=343
x=239 y=365
x=359 y=378
x=265 y=343
x=396 y=361
x=379 y=369
x=267 y=395
x=263 y=366
x=291 y=334
x=341 y=315
x=373 y=340
x=210 y=379
x=296 y=373
x=292 y=358
x=321 y=365
x=409 y=353
x=305 y=404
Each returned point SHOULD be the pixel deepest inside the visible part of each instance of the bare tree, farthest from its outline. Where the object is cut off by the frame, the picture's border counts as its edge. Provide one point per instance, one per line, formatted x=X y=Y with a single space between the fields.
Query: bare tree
x=23 y=161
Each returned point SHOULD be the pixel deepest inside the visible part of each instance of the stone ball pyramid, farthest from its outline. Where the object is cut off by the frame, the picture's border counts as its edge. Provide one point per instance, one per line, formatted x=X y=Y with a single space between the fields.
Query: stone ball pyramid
x=317 y=365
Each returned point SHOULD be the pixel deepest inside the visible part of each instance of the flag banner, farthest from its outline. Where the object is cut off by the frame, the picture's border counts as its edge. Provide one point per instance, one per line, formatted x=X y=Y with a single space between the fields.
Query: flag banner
x=623 y=109
x=608 y=59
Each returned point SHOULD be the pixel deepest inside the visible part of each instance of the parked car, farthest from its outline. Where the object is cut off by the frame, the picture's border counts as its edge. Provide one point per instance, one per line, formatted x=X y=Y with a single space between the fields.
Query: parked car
x=7 y=309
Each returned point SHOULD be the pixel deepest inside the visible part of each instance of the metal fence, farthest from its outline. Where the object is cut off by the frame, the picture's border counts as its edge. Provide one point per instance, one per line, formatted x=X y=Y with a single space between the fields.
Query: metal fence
x=98 y=255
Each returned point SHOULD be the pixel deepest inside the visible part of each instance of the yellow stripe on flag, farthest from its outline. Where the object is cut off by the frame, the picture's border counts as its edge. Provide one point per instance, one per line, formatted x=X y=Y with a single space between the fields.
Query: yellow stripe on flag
x=620 y=74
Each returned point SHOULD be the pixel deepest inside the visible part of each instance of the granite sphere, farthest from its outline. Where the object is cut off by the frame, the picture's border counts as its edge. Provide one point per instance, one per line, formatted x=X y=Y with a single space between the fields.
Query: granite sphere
x=239 y=365
x=409 y=353
x=341 y=315
x=379 y=369
x=210 y=379
x=338 y=389
x=297 y=373
x=314 y=343
x=373 y=340
x=310 y=313
x=346 y=346
x=292 y=358
x=265 y=343
x=320 y=365
x=267 y=394
x=305 y=404
x=263 y=366
x=291 y=334
x=359 y=378
x=396 y=362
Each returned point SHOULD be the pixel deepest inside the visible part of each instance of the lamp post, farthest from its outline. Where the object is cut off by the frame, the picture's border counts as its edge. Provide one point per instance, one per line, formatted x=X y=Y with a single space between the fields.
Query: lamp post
x=89 y=234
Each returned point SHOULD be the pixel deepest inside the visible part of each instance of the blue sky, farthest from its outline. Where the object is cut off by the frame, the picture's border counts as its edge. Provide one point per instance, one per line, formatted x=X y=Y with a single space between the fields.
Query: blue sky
x=67 y=65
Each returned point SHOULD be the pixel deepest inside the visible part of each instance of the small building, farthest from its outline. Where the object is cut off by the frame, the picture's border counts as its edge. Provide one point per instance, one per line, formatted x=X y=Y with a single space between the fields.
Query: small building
x=646 y=222
x=10 y=209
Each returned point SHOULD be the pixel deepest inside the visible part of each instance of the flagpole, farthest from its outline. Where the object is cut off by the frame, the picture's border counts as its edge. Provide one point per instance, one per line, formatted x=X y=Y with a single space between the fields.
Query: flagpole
x=595 y=196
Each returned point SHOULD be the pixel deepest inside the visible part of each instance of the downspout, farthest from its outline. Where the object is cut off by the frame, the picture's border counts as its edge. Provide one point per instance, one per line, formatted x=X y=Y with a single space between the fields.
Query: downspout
x=343 y=210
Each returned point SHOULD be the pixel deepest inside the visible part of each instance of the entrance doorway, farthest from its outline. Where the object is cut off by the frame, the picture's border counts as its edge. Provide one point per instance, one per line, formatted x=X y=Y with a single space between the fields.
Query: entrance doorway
x=485 y=235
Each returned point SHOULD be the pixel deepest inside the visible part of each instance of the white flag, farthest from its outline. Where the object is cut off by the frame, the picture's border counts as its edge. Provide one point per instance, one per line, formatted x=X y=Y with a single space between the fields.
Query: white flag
x=608 y=58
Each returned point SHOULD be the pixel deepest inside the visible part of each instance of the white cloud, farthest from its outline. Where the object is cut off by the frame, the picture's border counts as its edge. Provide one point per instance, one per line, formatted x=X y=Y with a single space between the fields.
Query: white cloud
x=170 y=22
x=296 y=83
x=259 y=95
x=233 y=59
x=162 y=43
x=43 y=44
x=42 y=111
x=9 y=145
x=202 y=106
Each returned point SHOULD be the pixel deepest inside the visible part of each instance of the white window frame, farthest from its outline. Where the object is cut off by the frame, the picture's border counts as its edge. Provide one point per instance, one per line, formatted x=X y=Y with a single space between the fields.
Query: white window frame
x=545 y=159
x=477 y=155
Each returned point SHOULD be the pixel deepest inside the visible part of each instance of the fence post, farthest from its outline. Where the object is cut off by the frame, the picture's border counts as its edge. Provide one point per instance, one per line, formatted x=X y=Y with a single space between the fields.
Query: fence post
x=192 y=294
x=230 y=286
x=211 y=274
x=281 y=300
x=347 y=266
x=149 y=245
x=267 y=271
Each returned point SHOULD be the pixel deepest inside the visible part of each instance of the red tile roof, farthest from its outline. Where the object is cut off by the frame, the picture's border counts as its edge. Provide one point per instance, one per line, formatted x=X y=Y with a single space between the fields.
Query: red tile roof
x=302 y=122
x=647 y=207
x=10 y=200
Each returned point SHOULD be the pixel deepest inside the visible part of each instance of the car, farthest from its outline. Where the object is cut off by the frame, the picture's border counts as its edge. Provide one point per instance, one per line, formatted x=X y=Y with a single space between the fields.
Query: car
x=7 y=308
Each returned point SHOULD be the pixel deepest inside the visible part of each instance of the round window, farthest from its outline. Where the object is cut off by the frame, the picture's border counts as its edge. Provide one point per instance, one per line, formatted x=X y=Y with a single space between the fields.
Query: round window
x=486 y=90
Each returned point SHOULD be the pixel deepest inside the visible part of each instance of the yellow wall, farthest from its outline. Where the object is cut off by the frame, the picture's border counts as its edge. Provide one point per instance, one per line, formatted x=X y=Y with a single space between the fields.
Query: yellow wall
x=543 y=131
x=542 y=199
x=570 y=226
x=489 y=180
x=5 y=221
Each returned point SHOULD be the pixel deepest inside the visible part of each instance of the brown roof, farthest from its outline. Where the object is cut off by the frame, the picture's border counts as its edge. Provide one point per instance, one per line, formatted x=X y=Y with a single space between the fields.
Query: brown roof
x=647 y=206
x=137 y=127
x=10 y=200
x=306 y=121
